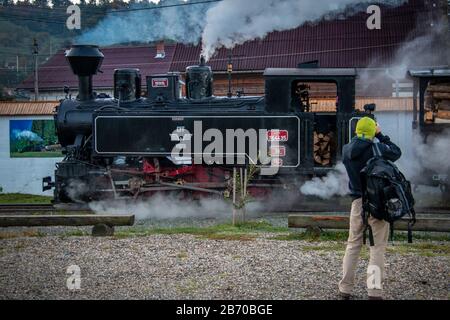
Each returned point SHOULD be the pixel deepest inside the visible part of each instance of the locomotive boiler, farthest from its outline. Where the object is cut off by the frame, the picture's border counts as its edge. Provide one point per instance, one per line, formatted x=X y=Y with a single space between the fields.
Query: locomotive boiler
x=135 y=145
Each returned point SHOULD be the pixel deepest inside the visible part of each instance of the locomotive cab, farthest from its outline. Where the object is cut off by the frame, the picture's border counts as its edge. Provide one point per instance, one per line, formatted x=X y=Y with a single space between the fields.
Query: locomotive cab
x=324 y=100
x=431 y=118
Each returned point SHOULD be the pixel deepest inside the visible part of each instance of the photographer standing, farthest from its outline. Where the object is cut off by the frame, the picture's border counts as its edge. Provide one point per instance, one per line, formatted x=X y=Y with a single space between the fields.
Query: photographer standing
x=356 y=154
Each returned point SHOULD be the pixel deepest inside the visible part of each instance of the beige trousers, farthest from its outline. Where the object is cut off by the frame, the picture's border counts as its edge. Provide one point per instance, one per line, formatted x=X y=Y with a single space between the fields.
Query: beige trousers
x=375 y=271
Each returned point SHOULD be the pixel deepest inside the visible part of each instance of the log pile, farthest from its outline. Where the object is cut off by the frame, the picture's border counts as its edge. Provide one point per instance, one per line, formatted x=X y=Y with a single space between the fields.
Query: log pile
x=437 y=102
x=322 y=148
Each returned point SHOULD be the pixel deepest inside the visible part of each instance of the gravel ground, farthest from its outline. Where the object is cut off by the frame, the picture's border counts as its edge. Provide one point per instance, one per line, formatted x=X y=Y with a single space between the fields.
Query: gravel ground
x=188 y=267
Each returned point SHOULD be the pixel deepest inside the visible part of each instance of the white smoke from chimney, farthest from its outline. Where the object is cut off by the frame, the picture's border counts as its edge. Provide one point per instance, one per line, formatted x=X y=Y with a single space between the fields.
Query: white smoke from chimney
x=233 y=22
x=183 y=24
x=224 y=24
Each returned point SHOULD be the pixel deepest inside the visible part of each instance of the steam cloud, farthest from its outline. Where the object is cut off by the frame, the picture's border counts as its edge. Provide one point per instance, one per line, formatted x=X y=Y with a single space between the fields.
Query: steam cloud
x=335 y=183
x=425 y=50
x=233 y=22
x=165 y=206
x=75 y=190
x=433 y=155
x=182 y=24
x=224 y=24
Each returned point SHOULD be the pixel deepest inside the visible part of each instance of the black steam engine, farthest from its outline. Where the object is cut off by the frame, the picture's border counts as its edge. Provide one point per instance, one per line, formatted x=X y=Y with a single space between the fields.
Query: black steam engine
x=123 y=147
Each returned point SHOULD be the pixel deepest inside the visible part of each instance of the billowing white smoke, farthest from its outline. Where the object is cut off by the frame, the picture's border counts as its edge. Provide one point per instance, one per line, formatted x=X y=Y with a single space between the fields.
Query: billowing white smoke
x=426 y=50
x=433 y=155
x=166 y=207
x=419 y=160
x=182 y=24
x=335 y=183
x=233 y=22
x=75 y=190
x=422 y=51
x=224 y=24
x=26 y=135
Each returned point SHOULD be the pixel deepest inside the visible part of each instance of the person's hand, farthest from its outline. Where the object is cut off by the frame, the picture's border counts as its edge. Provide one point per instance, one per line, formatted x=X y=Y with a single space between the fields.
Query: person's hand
x=378 y=129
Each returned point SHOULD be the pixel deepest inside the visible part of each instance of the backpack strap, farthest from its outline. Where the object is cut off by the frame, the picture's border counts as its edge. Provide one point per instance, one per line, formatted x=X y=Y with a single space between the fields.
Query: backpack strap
x=366 y=212
x=371 y=239
x=376 y=150
x=367 y=226
x=411 y=223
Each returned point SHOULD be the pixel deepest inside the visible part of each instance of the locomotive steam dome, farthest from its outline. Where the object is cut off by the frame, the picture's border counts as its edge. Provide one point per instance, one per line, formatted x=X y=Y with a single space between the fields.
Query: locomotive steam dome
x=85 y=61
x=199 y=81
x=127 y=84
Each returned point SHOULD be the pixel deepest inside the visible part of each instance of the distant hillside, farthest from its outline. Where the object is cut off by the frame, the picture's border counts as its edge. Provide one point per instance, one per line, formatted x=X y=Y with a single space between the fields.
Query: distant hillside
x=22 y=22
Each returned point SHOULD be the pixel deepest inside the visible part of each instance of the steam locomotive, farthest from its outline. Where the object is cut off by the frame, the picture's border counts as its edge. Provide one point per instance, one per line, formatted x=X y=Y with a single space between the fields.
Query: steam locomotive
x=123 y=146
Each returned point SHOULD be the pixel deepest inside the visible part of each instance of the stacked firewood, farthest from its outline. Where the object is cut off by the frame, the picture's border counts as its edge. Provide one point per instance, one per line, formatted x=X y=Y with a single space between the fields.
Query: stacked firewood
x=438 y=101
x=322 y=148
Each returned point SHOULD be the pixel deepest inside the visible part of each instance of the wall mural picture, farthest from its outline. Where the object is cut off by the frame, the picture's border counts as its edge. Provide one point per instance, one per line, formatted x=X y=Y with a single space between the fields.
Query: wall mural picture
x=33 y=139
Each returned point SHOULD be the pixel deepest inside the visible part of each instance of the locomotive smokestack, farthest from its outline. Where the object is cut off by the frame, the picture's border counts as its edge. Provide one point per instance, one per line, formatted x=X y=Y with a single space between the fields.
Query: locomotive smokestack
x=85 y=61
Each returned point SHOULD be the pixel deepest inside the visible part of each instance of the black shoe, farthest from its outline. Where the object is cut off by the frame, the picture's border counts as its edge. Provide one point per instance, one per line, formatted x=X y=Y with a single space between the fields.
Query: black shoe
x=375 y=298
x=344 y=296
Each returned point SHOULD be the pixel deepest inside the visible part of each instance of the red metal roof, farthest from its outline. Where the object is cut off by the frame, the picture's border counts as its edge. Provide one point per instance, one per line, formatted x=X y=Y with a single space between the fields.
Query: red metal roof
x=338 y=43
x=56 y=73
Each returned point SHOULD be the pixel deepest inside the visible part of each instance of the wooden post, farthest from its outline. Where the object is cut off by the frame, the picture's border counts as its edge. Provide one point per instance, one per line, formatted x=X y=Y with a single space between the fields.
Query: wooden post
x=244 y=192
x=36 y=80
x=234 y=196
x=241 y=197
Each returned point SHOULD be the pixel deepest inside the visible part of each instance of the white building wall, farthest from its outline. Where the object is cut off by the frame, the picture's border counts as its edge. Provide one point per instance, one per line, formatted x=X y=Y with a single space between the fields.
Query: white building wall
x=23 y=175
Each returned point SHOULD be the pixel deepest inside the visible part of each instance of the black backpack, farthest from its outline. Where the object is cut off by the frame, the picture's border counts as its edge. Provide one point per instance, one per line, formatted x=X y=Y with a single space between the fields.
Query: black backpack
x=386 y=194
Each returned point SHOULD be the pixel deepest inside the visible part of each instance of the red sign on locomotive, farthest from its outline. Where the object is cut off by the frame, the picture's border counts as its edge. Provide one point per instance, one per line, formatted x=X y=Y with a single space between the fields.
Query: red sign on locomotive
x=277 y=135
x=160 y=83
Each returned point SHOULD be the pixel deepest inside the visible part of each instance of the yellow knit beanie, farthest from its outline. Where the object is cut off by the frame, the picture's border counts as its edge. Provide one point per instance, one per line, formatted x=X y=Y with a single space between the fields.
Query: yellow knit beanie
x=366 y=128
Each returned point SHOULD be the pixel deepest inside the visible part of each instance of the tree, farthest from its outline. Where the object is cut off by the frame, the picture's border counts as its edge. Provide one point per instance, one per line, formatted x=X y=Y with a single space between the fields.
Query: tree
x=41 y=3
x=6 y=3
x=45 y=129
x=61 y=3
